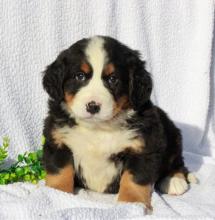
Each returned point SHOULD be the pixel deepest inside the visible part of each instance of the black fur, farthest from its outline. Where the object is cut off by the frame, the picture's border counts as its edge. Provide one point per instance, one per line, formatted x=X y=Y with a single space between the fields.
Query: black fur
x=162 y=154
x=62 y=72
x=135 y=80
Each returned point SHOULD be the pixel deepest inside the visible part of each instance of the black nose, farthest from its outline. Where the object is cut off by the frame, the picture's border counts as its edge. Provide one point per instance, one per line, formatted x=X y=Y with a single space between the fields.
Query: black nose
x=92 y=107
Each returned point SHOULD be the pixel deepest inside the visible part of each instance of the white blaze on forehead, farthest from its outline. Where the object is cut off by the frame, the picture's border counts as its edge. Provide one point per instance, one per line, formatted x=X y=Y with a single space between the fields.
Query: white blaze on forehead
x=95 y=90
x=96 y=55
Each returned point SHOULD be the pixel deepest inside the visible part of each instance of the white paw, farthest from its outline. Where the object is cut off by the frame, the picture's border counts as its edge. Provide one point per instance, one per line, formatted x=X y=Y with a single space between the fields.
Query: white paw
x=173 y=186
x=191 y=178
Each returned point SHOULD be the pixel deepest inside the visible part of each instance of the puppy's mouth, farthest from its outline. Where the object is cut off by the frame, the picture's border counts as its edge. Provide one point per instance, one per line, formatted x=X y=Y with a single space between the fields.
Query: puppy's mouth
x=95 y=118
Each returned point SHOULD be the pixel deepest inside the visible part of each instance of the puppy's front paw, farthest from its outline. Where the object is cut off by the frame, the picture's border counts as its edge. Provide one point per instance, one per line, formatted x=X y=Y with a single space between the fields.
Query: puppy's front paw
x=173 y=185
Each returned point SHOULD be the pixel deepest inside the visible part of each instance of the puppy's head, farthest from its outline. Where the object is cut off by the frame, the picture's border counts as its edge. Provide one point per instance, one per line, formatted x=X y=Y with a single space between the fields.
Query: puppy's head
x=97 y=78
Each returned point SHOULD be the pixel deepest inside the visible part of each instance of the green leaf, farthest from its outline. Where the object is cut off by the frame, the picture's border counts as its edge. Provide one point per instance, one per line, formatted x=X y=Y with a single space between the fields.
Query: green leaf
x=34 y=181
x=20 y=158
x=19 y=171
x=27 y=160
x=43 y=174
x=26 y=169
x=7 y=176
x=33 y=156
x=43 y=140
x=3 y=150
x=35 y=170
x=33 y=177
x=6 y=142
x=39 y=153
x=13 y=176
x=27 y=177
x=2 y=181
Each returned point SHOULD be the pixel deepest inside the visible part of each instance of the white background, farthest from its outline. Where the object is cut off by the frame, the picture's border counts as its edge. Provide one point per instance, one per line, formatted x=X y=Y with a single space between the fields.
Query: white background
x=174 y=37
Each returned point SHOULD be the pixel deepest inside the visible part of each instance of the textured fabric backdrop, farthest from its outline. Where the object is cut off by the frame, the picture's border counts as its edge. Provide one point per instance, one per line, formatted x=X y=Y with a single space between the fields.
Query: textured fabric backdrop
x=175 y=37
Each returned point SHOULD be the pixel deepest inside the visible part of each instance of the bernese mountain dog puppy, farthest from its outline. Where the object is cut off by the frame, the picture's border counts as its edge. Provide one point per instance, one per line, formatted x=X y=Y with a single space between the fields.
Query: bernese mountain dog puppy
x=103 y=132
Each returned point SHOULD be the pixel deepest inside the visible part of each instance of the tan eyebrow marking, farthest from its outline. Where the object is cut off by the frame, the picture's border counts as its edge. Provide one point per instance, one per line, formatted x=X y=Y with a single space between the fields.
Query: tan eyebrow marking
x=85 y=67
x=109 y=69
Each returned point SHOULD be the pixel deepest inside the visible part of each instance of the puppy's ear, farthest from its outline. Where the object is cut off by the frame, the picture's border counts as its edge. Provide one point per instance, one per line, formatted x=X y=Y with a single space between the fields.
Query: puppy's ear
x=140 y=81
x=53 y=79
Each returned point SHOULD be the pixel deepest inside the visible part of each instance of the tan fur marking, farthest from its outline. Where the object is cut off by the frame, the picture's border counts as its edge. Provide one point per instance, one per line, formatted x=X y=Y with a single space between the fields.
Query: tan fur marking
x=109 y=69
x=68 y=98
x=121 y=104
x=137 y=145
x=179 y=175
x=57 y=137
x=130 y=191
x=63 y=181
x=85 y=68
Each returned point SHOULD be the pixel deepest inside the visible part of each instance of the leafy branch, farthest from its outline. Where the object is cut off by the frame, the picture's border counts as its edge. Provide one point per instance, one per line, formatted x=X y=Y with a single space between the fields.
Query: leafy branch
x=3 y=149
x=28 y=167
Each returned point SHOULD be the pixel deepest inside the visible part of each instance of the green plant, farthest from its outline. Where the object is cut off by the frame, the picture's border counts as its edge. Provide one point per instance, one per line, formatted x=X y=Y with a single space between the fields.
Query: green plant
x=3 y=149
x=28 y=167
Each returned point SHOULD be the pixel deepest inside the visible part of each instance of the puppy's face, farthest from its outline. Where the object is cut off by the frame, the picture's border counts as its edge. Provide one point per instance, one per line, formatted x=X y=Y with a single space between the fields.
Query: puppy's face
x=94 y=79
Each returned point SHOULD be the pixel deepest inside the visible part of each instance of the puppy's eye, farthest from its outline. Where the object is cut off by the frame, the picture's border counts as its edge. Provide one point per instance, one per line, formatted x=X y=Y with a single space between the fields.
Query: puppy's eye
x=80 y=76
x=112 y=79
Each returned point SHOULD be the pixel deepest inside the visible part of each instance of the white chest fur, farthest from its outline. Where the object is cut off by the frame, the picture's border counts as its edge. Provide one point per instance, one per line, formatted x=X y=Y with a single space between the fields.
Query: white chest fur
x=92 y=147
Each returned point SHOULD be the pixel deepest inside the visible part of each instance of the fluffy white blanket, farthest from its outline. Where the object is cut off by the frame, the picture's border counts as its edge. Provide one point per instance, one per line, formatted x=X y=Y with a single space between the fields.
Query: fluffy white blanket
x=26 y=201
x=175 y=38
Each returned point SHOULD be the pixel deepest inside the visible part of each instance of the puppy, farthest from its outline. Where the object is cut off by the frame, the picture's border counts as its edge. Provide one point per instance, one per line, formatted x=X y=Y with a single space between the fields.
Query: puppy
x=102 y=131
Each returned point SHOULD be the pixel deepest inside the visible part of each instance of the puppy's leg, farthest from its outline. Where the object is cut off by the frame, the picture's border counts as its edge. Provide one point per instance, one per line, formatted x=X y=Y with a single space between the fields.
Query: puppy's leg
x=177 y=182
x=58 y=162
x=63 y=180
x=130 y=191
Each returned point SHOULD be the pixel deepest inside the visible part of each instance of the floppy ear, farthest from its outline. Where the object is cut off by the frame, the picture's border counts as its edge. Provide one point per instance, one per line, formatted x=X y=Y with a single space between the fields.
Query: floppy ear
x=53 y=79
x=140 y=82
